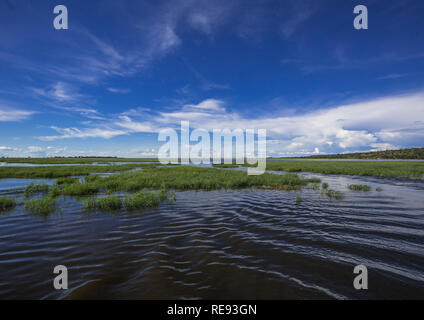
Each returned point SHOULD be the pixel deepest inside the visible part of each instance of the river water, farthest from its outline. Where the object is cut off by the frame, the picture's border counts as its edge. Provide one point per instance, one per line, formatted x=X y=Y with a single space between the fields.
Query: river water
x=243 y=244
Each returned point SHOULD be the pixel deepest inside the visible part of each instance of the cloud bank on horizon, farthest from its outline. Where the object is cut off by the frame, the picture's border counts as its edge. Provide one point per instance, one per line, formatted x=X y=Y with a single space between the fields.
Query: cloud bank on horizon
x=299 y=69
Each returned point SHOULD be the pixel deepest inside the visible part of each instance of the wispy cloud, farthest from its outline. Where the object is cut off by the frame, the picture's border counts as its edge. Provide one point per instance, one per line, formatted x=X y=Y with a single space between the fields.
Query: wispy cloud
x=12 y=114
x=118 y=90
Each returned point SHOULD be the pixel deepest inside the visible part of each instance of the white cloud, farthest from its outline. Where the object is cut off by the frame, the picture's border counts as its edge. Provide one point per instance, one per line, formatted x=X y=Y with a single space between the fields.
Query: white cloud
x=9 y=114
x=34 y=149
x=118 y=90
x=5 y=148
x=379 y=123
x=67 y=133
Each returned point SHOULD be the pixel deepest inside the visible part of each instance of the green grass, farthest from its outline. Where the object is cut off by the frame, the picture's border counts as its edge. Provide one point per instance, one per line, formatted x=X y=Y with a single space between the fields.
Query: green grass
x=42 y=206
x=80 y=189
x=139 y=200
x=412 y=153
x=195 y=178
x=34 y=188
x=74 y=160
x=378 y=189
x=143 y=199
x=6 y=203
x=105 y=203
x=324 y=185
x=225 y=166
x=66 y=180
x=65 y=171
x=389 y=169
x=359 y=187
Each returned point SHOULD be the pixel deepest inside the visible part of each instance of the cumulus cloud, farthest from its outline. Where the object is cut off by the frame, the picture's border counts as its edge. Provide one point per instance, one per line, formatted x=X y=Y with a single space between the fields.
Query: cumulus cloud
x=377 y=124
x=5 y=148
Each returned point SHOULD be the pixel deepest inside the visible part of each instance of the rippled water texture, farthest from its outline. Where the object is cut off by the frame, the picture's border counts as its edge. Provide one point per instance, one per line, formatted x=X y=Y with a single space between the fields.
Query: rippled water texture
x=224 y=244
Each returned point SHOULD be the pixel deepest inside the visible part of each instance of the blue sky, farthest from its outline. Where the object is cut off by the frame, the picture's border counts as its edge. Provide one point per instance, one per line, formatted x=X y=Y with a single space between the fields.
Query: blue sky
x=126 y=69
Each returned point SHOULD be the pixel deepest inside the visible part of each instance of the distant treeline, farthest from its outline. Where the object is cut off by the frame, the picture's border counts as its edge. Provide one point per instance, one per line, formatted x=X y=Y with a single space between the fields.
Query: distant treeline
x=413 y=154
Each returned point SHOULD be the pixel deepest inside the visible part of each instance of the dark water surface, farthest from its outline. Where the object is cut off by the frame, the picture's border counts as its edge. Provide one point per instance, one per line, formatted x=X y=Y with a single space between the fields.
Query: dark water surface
x=248 y=244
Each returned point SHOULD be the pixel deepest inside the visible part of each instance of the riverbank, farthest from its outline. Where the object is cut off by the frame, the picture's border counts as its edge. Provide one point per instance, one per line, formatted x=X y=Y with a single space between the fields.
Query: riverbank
x=387 y=169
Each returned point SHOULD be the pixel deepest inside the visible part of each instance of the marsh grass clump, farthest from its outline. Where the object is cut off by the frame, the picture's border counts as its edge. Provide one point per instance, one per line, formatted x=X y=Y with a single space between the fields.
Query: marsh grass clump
x=143 y=199
x=80 y=189
x=324 y=185
x=225 y=166
x=105 y=203
x=7 y=203
x=55 y=191
x=34 y=188
x=333 y=194
x=298 y=199
x=378 y=189
x=66 y=180
x=91 y=178
x=42 y=206
x=359 y=187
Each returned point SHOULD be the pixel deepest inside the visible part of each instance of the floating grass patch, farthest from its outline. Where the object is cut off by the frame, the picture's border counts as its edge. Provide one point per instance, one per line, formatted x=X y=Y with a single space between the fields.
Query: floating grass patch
x=379 y=189
x=43 y=206
x=333 y=194
x=6 y=203
x=34 y=188
x=359 y=187
x=298 y=199
x=324 y=185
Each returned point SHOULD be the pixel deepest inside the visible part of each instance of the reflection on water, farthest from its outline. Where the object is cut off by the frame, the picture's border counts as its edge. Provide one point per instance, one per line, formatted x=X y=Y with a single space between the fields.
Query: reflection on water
x=224 y=244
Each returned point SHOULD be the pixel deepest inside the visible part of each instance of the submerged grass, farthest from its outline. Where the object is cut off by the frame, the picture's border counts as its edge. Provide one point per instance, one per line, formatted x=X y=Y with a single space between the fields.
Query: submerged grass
x=359 y=187
x=333 y=194
x=42 y=206
x=6 y=203
x=390 y=169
